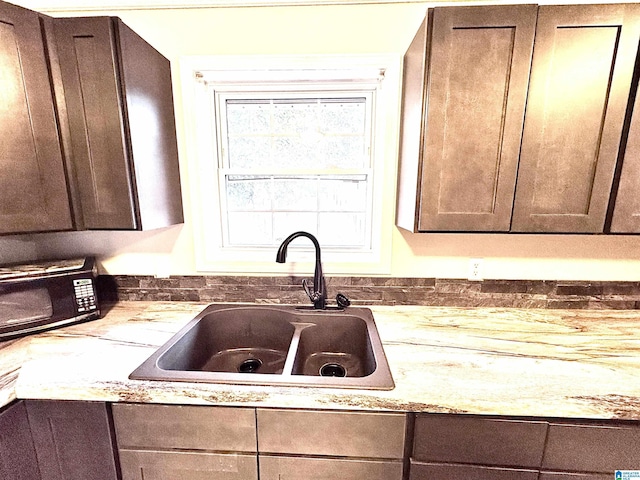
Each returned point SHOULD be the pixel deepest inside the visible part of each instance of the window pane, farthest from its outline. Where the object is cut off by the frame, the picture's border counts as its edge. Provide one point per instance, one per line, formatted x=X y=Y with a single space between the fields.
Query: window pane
x=290 y=116
x=343 y=194
x=295 y=152
x=295 y=194
x=345 y=152
x=346 y=117
x=285 y=223
x=249 y=152
x=248 y=193
x=248 y=228
x=342 y=229
x=248 y=118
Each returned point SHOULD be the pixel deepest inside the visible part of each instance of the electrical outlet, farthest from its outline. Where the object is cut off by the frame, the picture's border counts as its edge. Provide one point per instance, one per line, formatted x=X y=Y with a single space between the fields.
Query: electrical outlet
x=475 y=269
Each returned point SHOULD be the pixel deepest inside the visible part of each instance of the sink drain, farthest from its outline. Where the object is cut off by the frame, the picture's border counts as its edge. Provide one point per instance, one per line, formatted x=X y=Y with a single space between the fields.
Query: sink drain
x=333 y=370
x=250 y=365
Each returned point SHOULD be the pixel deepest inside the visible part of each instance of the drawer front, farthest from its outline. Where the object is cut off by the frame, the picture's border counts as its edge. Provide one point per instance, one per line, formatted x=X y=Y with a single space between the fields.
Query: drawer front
x=343 y=434
x=153 y=465
x=185 y=427
x=483 y=441
x=592 y=448
x=575 y=476
x=439 y=471
x=298 y=468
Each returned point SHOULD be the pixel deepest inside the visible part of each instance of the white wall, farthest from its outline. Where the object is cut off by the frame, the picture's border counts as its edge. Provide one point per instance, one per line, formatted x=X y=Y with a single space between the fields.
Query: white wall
x=379 y=28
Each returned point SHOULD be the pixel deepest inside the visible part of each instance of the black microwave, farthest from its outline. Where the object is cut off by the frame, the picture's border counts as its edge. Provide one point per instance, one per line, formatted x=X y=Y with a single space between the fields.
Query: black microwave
x=46 y=295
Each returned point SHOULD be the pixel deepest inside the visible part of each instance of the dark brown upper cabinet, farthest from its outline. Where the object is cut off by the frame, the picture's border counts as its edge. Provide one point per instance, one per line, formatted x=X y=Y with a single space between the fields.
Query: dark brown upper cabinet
x=120 y=128
x=474 y=158
x=626 y=204
x=581 y=77
x=33 y=187
x=466 y=74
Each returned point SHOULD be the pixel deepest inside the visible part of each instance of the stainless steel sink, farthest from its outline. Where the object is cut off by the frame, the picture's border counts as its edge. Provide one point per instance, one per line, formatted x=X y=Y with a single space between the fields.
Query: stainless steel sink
x=274 y=345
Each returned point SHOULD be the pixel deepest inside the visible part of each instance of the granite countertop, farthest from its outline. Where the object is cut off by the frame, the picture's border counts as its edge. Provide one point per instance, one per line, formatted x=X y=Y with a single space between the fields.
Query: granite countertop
x=514 y=362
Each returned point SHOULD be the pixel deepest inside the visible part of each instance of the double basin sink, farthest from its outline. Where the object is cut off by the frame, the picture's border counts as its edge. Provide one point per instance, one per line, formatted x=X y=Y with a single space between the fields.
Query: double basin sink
x=274 y=345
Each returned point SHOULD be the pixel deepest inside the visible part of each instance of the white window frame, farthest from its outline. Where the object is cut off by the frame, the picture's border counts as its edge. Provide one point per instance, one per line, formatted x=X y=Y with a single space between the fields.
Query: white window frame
x=204 y=162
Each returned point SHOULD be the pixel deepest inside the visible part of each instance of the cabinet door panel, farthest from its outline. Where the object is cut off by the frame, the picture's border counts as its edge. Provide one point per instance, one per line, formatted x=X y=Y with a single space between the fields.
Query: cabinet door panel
x=299 y=468
x=626 y=213
x=477 y=87
x=354 y=434
x=152 y=131
x=434 y=471
x=17 y=454
x=592 y=448
x=185 y=427
x=89 y=69
x=458 y=439
x=156 y=465
x=574 y=476
x=33 y=191
x=580 y=81
x=72 y=440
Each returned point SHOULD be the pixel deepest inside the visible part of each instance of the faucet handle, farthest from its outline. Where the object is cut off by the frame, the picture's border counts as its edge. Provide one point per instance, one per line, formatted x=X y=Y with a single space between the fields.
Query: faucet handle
x=313 y=296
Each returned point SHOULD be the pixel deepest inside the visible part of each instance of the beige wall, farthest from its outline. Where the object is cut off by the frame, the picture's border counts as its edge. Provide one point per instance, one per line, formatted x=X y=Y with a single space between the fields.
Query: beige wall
x=384 y=28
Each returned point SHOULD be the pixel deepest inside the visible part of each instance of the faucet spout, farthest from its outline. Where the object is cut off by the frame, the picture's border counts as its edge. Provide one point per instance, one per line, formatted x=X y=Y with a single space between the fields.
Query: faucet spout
x=318 y=295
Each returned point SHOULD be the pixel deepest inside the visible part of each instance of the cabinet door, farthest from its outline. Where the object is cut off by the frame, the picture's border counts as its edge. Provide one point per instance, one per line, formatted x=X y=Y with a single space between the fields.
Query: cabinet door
x=478 y=440
x=90 y=73
x=476 y=93
x=185 y=427
x=17 y=454
x=301 y=468
x=436 y=471
x=159 y=465
x=146 y=80
x=33 y=191
x=574 y=476
x=72 y=440
x=592 y=448
x=345 y=434
x=626 y=212
x=580 y=81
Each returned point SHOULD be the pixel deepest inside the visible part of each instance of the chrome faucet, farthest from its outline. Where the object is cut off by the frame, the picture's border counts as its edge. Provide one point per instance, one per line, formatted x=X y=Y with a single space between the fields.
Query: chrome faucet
x=319 y=293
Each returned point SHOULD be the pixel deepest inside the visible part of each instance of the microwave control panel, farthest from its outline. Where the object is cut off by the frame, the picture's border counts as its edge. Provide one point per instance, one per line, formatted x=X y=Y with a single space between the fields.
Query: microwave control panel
x=85 y=295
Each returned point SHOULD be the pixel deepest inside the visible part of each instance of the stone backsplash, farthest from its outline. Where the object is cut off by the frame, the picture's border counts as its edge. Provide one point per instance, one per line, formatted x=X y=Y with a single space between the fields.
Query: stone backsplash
x=377 y=291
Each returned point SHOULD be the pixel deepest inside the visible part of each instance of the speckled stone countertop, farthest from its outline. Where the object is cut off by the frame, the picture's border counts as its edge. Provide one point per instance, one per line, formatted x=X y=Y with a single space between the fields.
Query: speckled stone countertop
x=512 y=362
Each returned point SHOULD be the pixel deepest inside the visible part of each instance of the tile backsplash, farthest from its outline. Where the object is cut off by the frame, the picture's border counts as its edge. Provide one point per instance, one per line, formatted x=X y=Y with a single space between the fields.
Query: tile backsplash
x=377 y=291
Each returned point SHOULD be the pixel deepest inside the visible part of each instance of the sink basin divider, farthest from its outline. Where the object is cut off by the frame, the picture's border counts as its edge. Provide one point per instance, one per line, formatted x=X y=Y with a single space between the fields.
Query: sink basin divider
x=293 y=347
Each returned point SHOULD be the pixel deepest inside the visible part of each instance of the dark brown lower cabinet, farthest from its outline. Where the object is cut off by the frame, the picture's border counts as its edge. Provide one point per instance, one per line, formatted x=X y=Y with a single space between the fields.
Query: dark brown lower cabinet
x=434 y=471
x=167 y=465
x=575 y=476
x=321 y=445
x=592 y=448
x=470 y=447
x=476 y=448
x=72 y=440
x=460 y=439
x=301 y=468
x=17 y=454
x=171 y=442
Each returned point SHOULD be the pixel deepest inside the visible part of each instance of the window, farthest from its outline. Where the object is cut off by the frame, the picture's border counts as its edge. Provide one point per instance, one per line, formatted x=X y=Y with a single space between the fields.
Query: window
x=292 y=146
